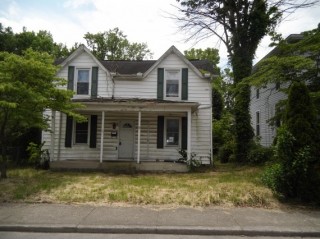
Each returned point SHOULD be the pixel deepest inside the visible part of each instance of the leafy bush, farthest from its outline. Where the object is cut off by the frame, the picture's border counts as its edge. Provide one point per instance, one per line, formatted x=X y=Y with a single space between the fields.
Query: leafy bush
x=192 y=163
x=272 y=176
x=38 y=156
x=293 y=176
x=225 y=153
x=259 y=154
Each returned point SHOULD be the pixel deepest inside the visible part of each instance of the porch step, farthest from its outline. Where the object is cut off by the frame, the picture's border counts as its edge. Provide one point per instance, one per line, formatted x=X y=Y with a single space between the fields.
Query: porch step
x=117 y=167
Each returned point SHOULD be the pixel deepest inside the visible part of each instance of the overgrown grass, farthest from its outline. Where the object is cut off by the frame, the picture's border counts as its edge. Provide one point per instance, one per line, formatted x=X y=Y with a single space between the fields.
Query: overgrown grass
x=227 y=185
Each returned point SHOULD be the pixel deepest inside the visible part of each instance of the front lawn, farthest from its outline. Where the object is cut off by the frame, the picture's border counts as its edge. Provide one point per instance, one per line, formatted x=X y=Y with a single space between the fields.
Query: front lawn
x=227 y=185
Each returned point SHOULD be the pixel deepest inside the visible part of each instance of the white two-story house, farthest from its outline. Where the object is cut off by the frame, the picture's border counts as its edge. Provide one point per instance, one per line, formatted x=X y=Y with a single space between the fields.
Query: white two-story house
x=263 y=103
x=139 y=111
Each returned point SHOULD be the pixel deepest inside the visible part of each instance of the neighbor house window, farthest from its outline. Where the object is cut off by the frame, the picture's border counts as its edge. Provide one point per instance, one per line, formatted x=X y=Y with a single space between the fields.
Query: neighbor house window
x=172 y=131
x=257 y=93
x=172 y=83
x=257 y=123
x=277 y=85
x=82 y=131
x=83 y=81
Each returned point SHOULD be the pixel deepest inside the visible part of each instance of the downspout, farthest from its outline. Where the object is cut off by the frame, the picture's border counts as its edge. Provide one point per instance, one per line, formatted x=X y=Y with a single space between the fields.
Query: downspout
x=59 y=138
x=112 y=74
x=53 y=128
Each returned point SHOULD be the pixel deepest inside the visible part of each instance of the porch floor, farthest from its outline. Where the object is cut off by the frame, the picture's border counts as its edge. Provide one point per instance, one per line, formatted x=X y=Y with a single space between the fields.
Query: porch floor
x=118 y=166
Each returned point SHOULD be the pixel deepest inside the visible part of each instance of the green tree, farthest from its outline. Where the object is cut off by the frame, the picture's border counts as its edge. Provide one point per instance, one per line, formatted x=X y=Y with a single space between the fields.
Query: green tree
x=114 y=45
x=210 y=54
x=297 y=148
x=41 y=41
x=240 y=25
x=28 y=86
x=298 y=61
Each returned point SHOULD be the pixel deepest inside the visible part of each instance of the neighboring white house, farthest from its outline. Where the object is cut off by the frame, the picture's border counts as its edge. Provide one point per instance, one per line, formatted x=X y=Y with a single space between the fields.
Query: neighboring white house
x=263 y=103
x=137 y=110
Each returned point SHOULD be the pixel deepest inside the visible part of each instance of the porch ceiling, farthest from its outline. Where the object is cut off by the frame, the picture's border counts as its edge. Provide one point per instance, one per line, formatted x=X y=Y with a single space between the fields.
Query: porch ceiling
x=136 y=104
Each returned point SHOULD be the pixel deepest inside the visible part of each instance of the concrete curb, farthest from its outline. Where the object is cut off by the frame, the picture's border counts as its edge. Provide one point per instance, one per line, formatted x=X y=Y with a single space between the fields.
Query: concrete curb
x=236 y=231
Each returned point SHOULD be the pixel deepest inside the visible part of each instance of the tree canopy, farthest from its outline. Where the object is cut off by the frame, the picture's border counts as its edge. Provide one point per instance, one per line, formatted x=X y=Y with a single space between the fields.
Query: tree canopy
x=28 y=86
x=41 y=41
x=240 y=25
x=114 y=45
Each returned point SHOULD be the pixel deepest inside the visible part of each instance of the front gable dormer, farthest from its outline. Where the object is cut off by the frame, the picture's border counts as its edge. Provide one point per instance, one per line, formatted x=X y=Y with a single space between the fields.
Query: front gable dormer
x=83 y=73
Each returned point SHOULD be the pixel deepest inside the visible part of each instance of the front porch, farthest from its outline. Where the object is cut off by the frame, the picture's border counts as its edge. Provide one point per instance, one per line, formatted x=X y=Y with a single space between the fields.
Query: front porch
x=118 y=166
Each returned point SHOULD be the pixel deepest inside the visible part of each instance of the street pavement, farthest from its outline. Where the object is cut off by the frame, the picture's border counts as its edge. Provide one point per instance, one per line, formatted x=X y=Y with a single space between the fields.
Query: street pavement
x=62 y=218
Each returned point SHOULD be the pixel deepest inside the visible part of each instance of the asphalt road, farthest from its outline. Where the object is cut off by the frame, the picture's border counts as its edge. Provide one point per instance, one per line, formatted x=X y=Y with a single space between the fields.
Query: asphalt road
x=27 y=235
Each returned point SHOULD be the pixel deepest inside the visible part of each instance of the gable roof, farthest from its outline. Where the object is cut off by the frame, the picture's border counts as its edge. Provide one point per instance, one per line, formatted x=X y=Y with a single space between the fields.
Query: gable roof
x=127 y=67
x=134 y=67
x=174 y=50
x=82 y=48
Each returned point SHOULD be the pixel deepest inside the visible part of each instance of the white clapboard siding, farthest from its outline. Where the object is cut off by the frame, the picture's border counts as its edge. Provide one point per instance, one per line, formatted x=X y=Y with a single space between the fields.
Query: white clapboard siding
x=148 y=148
x=147 y=87
x=269 y=96
x=199 y=90
x=84 y=60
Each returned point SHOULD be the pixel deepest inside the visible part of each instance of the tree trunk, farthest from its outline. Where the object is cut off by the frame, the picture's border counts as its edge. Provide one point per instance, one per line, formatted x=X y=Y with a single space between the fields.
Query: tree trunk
x=3 y=165
x=242 y=65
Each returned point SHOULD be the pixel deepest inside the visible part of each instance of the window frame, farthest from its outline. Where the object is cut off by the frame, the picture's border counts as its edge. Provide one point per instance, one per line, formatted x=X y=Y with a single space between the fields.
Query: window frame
x=76 y=81
x=165 y=132
x=179 y=72
x=258 y=119
x=74 y=140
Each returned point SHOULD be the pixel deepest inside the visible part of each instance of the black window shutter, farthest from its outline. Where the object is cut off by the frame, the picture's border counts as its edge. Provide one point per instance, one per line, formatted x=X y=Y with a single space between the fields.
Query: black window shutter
x=160 y=132
x=184 y=95
x=184 y=133
x=160 y=84
x=94 y=82
x=93 y=131
x=69 y=128
x=70 y=77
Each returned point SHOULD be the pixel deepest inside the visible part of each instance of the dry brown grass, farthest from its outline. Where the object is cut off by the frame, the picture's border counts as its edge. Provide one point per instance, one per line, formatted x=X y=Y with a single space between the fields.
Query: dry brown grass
x=227 y=186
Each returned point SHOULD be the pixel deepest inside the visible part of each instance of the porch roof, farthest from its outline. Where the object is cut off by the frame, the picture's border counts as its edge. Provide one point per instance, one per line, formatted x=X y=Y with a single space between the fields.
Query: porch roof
x=136 y=104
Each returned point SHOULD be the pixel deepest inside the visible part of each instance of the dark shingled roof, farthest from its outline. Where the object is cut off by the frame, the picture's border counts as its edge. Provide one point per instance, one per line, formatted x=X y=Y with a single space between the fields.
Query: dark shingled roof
x=127 y=67
x=134 y=67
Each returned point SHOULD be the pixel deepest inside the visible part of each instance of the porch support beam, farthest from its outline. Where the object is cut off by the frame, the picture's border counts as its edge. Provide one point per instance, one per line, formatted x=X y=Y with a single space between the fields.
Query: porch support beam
x=189 y=135
x=139 y=136
x=102 y=136
x=53 y=129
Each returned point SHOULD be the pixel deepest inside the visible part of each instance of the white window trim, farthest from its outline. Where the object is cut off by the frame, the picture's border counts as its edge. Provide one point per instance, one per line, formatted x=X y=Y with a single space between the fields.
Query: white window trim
x=76 y=82
x=165 y=84
x=74 y=130
x=165 y=132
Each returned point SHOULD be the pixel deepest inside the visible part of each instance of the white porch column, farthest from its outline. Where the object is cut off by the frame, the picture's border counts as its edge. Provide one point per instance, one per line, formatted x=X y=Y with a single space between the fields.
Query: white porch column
x=102 y=136
x=189 y=135
x=53 y=129
x=139 y=136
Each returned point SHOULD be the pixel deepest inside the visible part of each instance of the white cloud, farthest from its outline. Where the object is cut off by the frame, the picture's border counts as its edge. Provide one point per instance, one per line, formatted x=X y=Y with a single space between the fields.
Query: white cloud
x=76 y=3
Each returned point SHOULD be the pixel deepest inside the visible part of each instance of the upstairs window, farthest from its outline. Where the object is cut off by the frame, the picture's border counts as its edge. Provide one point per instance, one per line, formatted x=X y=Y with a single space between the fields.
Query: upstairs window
x=258 y=93
x=83 y=81
x=172 y=84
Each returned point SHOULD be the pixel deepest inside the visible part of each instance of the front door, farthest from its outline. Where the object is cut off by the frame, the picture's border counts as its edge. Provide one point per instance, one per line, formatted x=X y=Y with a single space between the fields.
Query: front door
x=126 y=140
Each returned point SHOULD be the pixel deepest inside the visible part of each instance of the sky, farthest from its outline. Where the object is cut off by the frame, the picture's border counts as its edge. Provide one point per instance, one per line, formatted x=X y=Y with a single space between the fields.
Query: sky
x=140 y=20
